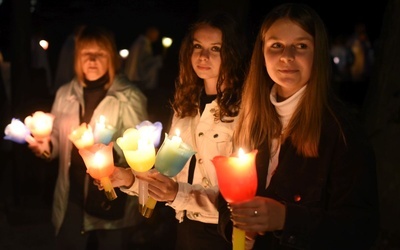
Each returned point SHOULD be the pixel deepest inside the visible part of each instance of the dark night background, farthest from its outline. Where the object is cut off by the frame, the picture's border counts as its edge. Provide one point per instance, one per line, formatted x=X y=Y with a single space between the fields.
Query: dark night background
x=56 y=19
x=27 y=194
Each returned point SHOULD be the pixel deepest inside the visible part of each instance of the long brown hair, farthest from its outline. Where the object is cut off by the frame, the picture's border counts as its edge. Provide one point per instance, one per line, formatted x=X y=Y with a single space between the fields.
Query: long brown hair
x=89 y=35
x=188 y=85
x=258 y=119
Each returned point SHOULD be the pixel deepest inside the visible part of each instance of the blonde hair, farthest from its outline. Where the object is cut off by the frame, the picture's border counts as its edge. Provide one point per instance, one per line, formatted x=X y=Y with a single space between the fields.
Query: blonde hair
x=87 y=36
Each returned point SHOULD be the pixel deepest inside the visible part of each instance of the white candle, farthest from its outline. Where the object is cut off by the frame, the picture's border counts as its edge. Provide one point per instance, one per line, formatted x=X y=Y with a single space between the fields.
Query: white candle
x=40 y=124
x=176 y=140
x=103 y=133
x=17 y=131
x=82 y=136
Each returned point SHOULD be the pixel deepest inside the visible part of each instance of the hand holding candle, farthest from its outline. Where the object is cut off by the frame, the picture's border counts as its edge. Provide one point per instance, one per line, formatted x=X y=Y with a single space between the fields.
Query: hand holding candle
x=170 y=159
x=139 y=152
x=18 y=132
x=99 y=162
x=237 y=180
x=40 y=124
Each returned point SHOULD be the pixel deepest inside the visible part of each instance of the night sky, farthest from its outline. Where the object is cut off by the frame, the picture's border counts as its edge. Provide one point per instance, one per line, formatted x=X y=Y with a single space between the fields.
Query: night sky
x=56 y=19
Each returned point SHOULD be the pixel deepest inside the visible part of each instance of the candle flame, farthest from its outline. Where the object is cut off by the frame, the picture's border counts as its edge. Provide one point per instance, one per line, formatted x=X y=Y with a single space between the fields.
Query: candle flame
x=241 y=153
x=98 y=159
x=86 y=136
x=102 y=119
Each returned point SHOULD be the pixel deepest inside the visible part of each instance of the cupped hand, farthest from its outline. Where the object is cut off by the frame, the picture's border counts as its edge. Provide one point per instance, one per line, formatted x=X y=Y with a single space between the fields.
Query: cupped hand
x=39 y=146
x=160 y=187
x=121 y=177
x=260 y=215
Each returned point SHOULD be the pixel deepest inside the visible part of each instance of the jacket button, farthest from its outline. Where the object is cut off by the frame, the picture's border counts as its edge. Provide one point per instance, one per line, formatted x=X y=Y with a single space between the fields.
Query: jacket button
x=297 y=198
x=205 y=182
x=201 y=134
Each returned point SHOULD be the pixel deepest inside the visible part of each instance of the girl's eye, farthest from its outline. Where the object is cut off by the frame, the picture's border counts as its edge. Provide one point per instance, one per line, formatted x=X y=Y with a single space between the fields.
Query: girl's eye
x=216 y=49
x=276 y=45
x=196 y=46
x=301 y=46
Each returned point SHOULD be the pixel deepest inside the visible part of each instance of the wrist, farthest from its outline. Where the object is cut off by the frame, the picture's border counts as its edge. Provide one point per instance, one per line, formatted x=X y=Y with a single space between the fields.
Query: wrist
x=130 y=180
x=176 y=189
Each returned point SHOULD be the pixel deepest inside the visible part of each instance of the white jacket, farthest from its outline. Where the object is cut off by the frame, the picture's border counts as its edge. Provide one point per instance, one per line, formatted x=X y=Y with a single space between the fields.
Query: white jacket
x=124 y=106
x=209 y=138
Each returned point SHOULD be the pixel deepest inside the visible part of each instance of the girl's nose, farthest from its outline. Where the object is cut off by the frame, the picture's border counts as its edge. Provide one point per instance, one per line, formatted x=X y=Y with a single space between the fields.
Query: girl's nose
x=288 y=54
x=205 y=54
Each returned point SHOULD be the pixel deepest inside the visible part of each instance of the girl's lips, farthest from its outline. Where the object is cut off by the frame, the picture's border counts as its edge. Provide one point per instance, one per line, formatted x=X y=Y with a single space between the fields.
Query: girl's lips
x=288 y=71
x=203 y=67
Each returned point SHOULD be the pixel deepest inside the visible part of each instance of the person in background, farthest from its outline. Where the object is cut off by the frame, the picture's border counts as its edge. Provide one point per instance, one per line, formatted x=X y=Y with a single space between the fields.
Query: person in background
x=212 y=63
x=317 y=186
x=142 y=64
x=65 y=65
x=40 y=65
x=363 y=52
x=82 y=216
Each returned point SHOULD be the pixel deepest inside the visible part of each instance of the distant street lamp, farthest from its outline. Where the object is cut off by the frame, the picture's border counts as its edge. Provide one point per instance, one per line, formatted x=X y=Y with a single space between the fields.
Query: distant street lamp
x=124 y=53
x=44 y=44
x=166 y=42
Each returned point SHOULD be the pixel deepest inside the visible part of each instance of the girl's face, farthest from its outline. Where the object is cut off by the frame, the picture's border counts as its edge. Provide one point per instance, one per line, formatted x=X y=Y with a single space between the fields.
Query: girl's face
x=288 y=52
x=94 y=61
x=206 y=56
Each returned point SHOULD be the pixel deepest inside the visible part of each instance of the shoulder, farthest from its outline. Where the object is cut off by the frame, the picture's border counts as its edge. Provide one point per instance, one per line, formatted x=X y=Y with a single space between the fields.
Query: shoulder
x=122 y=83
x=344 y=122
x=67 y=88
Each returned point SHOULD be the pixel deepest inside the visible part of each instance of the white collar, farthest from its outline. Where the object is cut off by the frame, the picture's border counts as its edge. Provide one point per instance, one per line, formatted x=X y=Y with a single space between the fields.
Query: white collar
x=286 y=108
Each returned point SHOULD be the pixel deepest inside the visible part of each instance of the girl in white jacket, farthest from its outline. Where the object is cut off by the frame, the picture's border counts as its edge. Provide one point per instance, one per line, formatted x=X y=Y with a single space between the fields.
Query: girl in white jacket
x=206 y=103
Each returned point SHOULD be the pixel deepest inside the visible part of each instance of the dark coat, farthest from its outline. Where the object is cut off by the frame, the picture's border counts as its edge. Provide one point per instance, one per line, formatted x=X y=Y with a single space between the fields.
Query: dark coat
x=331 y=201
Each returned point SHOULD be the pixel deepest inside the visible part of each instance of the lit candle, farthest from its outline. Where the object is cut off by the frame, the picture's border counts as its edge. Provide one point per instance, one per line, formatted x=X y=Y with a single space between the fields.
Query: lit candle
x=172 y=155
x=142 y=159
x=17 y=131
x=237 y=180
x=99 y=162
x=82 y=136
x=103 y=133
x=152 y=129
x=40 y=124
x=139 y=152
x=170 y=159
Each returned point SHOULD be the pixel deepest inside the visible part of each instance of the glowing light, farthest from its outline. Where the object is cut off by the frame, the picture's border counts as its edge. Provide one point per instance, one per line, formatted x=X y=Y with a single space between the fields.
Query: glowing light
x=166 y=42
x=44 y=44
x=124 y=53
x=336 y=60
